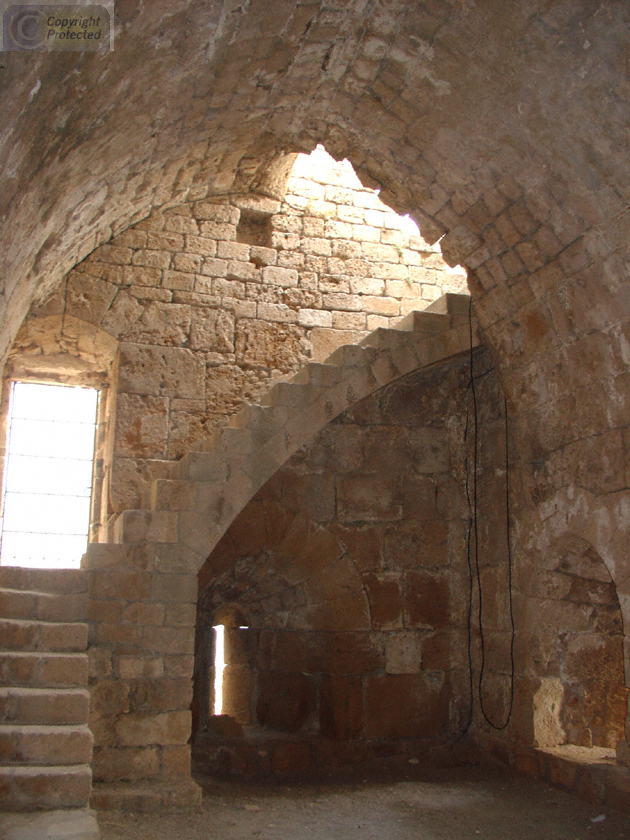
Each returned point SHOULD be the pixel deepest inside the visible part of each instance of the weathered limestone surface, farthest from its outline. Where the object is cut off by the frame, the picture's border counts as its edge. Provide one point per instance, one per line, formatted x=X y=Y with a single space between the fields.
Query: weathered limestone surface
x=192 y=312
x=143 y=591
x=350 y=570
x=502 y=129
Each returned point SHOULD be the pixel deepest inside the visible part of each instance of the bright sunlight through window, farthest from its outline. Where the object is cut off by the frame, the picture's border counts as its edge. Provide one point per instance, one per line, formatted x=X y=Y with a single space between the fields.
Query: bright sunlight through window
x=219 y=667
x=48 y=475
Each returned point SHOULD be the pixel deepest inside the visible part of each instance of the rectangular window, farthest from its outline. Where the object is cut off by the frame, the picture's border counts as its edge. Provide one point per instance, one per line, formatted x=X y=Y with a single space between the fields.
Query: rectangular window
x=48 y=475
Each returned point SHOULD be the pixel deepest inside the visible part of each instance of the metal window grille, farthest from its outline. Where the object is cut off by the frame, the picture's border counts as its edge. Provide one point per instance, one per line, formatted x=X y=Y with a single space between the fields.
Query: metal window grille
x=48 y=475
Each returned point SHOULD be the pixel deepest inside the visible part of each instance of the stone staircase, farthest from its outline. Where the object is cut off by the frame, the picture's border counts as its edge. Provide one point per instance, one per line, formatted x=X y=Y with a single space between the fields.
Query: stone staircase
x=155 y=552
x=45 y=743
x=233 y=463
x=418 y=340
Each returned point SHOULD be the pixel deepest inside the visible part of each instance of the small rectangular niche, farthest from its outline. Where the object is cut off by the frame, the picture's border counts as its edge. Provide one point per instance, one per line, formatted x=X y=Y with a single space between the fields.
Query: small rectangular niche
x=48 y=475
x=254 y=228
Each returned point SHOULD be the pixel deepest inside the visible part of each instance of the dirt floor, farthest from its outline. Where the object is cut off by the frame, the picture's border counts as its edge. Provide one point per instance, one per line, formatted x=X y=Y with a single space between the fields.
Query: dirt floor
x=447 y=804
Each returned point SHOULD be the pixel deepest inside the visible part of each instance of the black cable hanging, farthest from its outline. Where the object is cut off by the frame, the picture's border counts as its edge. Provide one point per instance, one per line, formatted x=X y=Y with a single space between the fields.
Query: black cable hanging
x=468 y=544
x=473 y=527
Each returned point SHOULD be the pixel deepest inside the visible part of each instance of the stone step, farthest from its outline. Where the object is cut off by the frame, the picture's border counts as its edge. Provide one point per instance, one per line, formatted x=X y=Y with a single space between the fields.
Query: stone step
x=60 y=824
x=451 y=304
x=262 y=421
x=200 y=466
x=45 y=745
x=44 y=788
x=43 y=606
x=352 y=355
x=137 y=526
x=226 y=440
x=318 y=374
x=292 y=395
x=59 y=581
x=423 y=322
x=441 y=346
x=35 y=668
x=108 y=556
x=384 y=339
x=43 y=706
x=49 y=636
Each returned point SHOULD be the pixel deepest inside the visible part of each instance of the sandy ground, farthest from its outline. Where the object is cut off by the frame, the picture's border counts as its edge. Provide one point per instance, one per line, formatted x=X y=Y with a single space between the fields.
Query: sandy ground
x=419 y=805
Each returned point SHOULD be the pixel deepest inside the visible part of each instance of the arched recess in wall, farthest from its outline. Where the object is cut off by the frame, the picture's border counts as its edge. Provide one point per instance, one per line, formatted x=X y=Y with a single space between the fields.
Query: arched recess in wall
x=313 y=661
x=582 y=560
x=63 y=349
x=286 y=575
x=580 y=696
x=406 y=541
x=349 y=565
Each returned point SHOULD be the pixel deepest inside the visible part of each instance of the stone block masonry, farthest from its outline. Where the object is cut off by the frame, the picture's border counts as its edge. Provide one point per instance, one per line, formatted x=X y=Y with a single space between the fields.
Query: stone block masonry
x=206 y=305
x=504 y=134
x=143 y=590
x=349 y=571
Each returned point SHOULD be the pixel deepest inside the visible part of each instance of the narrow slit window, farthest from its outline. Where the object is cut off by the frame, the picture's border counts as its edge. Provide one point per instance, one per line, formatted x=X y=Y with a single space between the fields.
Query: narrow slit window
x=48 y=475
x=219 y=667
x=228 y=672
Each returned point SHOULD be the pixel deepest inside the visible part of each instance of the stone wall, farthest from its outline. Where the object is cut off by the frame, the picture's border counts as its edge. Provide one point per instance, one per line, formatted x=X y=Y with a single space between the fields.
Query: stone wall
x=143 y=589
x=569 y=683
x=351 y=571
x=348 y=569
x=454 y=110
x=210 y=303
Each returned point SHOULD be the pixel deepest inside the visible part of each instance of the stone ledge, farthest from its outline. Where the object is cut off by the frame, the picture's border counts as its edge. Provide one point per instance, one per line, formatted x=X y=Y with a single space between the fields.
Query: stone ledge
x=266 y=754
x=145 y=796
x=591 y=772
x=51 y=581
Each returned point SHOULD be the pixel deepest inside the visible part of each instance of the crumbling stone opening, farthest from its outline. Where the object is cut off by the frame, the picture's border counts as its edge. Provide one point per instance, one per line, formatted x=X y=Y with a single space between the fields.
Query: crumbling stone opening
x=222 y=700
